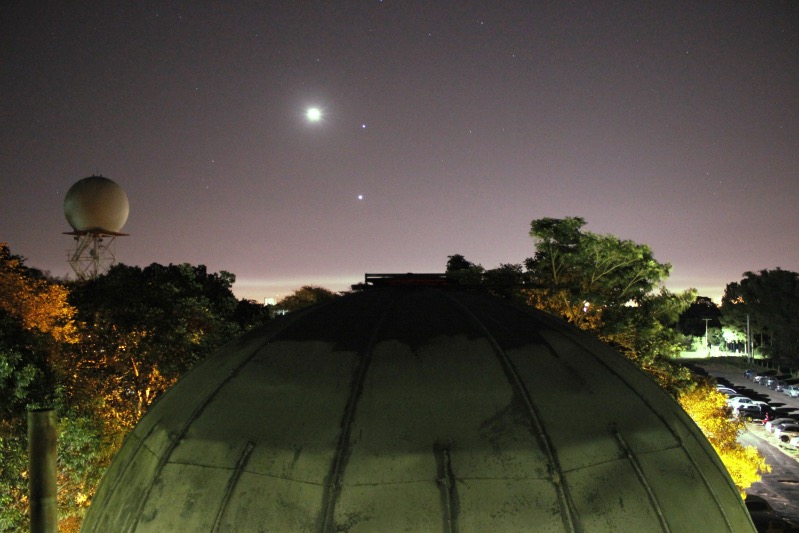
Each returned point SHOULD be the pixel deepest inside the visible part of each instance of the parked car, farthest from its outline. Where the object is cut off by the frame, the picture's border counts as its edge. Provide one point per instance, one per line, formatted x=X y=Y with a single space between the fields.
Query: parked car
x=771 y=423
x=791 y=390
x=754 y=411
x=794 y=442
x=757 y=378
x=769 y=381
x=737 y=401
x=785 y=432
x=756 y=403
x=727 y=391
x=781 y=425
x=749 y=373
x=777 y=385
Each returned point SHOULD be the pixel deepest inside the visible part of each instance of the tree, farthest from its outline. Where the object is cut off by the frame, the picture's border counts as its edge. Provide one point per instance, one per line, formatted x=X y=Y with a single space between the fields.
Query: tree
x=769 y=299
x=457 y=263
x=708 y=408
x=507 y=281
x=579 y=275
x=35 y=301
x=249 y=313
x=35 y=318
x=23 y=383
x=305 y=296
x=141 y=329
x=464 y=272
x=701 y=314
x=37 y=333
x=144 y=328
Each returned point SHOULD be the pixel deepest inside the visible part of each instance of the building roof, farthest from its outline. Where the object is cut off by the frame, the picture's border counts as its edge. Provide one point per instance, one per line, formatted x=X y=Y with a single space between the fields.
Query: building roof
x=416 y=409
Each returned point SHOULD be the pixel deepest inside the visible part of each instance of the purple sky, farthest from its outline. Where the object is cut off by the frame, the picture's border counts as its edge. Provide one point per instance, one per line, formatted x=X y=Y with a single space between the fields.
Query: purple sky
x=672 y=124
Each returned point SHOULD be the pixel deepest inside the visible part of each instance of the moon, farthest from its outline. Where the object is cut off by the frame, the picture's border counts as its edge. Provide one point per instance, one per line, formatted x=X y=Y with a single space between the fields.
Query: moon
x=313 y=114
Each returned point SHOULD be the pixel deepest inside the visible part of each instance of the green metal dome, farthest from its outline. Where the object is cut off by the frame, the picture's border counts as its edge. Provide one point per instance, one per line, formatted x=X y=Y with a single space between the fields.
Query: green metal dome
x=416 y=409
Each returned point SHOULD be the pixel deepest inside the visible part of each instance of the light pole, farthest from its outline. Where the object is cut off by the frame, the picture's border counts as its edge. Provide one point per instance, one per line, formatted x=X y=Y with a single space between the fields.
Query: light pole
x=707 y=341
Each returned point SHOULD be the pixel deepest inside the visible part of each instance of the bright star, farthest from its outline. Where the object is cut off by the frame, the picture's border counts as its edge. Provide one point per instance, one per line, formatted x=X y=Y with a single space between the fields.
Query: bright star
x=313 y=114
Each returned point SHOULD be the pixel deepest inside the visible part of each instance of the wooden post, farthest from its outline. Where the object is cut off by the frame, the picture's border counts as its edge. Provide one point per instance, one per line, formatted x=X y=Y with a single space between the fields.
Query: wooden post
x=42 y=469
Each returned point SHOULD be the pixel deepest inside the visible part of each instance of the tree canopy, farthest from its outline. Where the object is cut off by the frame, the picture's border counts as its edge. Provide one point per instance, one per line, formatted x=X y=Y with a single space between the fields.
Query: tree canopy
x=33 y=300
x=37 y=331
x=305 y=296
x=99 y=352
x=770 y=299
x=700 y=316
x=144 y=328
x=580 y=274
x=708 y=408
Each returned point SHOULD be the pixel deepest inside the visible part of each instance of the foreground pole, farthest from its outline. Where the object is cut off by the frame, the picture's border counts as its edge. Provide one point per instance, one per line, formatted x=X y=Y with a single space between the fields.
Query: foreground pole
x=42 y=468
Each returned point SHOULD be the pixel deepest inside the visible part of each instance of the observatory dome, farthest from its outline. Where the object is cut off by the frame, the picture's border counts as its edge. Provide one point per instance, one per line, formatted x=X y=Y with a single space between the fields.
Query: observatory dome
x=416 y=409
x=96 y=204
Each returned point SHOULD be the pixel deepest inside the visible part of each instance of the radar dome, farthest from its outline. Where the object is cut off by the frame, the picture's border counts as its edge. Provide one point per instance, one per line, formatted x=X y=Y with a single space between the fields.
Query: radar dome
x=96 y=204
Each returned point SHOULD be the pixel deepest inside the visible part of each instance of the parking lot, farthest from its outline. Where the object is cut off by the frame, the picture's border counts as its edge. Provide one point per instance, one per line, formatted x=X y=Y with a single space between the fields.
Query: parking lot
x=780 y=487
x=784 y=405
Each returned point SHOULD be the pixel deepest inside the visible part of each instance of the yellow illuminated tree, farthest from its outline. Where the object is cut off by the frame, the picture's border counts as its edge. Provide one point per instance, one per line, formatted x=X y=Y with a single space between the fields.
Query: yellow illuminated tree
x=37 y=334
x=708 y=408
x=37 y=302
x=559 y=303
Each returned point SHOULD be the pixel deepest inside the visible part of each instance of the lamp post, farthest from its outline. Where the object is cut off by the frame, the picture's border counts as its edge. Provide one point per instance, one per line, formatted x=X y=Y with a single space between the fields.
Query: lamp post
x=707 y=340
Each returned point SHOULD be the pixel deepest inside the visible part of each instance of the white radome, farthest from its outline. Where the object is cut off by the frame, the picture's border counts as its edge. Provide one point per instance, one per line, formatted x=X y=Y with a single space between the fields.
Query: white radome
x=96 y=204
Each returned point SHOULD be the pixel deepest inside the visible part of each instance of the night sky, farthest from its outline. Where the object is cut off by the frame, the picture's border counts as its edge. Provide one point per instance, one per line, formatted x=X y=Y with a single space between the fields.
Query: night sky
x=457 y=123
